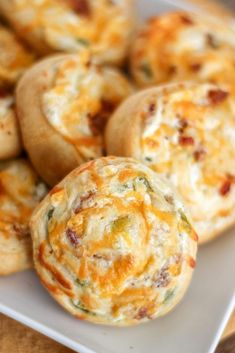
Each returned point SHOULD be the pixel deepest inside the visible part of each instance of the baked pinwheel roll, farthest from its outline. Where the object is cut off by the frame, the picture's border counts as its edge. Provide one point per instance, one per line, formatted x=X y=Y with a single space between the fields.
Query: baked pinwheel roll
x=63 y=104
x=180 y=46
x=184 y=132
x=10 y=142
x=49 y=26
x=14 y=58
x=21 y=191
x=112 y=243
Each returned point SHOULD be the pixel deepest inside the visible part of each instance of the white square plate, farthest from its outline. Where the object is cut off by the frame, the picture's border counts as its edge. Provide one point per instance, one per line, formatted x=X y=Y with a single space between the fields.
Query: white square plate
x=194 y=326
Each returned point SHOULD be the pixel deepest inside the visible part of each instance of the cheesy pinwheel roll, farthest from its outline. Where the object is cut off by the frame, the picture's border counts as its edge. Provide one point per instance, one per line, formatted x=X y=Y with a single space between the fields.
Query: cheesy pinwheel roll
x=63 y=103
x=70 y=25
x=186 y=133
x=14 y=58
x=112 y=243
x=182 y=46
x=21 y=191
x=10 y=141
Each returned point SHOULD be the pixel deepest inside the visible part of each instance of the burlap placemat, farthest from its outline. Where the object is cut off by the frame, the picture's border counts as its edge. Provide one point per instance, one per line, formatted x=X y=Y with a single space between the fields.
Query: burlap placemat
x=17 y=338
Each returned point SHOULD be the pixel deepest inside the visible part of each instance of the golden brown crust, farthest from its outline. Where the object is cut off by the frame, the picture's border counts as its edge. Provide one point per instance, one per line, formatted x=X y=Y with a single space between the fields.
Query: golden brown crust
x=52 y=151
x=20 y=192
x=10 y=139
x=112 y=243
x=14 y=58
x=124 y=138
x=16 y=260
x=37 y=42
x=178 y=46
x=41 y=141
x=103 y=26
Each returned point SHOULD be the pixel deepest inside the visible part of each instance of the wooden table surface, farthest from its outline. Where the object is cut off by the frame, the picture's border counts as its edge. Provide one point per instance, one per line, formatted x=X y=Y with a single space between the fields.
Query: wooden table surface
x=16 y=338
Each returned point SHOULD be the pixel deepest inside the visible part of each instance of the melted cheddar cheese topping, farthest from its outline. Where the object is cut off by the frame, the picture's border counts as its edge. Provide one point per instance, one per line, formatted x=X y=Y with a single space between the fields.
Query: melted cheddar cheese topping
x=20 y=192
x=181 y=46
x=69 y=25
x=112 y=243
x=189 y=136
x=14 y=59
x=81 y=99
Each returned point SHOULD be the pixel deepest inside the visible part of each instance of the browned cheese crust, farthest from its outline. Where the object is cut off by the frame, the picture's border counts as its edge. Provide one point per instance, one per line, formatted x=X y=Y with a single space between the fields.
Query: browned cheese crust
x=112 y=243
x=48 y=26
x=186 y=132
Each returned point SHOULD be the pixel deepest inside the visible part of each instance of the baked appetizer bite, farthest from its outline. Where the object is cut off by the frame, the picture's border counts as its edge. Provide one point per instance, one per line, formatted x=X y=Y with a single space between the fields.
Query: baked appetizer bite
x=20 y=192
x=112 y=243
x=49 y=26
x=180 y=46
x=185 y=132
x=10 y=141
x=14 y=58
x=63 y=104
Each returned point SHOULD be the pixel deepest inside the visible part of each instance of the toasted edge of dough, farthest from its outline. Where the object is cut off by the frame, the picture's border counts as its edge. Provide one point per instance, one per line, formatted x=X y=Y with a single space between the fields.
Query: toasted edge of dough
x=10 y=139
x=47 y=149
x=18 y=260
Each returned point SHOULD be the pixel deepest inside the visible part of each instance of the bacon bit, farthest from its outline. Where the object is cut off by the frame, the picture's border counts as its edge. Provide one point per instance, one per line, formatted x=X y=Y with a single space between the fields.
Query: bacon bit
x=172 y=70
x=142 y=313
x=186 y=140
x=225 y=188
x=98 y=122
x=186 y=20
x=183 y=124
x=199 y=154
x=71 y=234
x=217 y=96
x=21 y=230
x=191 y=262
x=195 y=67
x=152 y=108
x=85 y=197
x=162 y=279
x=169 y=199
x=147 y=115
x=105 y=257
x=82 y=7
x=97 y=256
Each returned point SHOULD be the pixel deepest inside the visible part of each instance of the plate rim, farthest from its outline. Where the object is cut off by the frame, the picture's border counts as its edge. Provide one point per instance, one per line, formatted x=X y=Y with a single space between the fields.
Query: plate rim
x=76 y=345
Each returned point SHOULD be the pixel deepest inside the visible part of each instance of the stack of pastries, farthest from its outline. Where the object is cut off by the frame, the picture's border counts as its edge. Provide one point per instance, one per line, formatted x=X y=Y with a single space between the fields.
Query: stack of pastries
x=117 y=151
